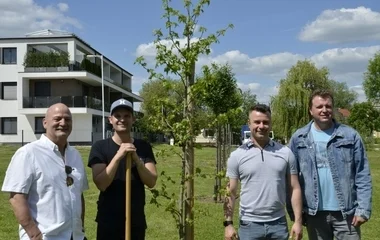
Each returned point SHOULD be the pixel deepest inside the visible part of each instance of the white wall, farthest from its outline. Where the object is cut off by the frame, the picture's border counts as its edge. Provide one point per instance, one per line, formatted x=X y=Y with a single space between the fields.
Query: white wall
x=82 y=128
x=9 y=72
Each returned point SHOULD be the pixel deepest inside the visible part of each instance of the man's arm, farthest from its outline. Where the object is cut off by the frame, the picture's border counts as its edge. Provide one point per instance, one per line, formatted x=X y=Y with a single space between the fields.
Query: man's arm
x=147 y=172
x=229 y=206
x=103 y=174
x=21 y=210
x=363 y=183
x=296 y=201
x=293 y=161
x=296 y=197
x=229 y=203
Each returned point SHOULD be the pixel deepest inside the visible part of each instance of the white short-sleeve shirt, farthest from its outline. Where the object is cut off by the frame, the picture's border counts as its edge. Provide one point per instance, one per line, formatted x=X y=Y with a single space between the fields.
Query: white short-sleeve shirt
x=38 y=169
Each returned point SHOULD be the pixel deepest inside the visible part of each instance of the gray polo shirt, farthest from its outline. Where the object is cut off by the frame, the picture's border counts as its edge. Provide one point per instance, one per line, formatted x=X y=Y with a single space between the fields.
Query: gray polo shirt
x=262 y=174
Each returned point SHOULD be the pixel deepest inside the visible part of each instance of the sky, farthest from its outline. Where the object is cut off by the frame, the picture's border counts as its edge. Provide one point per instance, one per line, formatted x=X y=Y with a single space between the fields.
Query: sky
x=268 y=38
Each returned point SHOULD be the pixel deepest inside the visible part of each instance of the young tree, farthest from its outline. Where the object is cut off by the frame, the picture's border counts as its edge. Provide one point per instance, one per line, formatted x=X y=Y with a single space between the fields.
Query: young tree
x=179 y=60
x=371 y=82
x=219 y=92
x=161 y=97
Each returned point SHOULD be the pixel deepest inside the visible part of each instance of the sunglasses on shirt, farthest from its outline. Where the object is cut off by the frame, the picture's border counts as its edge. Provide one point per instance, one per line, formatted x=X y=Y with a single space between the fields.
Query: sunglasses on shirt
x=69 y=180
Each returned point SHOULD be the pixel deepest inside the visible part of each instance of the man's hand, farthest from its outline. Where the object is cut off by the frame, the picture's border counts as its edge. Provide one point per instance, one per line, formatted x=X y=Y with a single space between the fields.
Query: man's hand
x=126 y=148
x=34 y=233
x=230 y=233
x=357 y=221
x=296 y=231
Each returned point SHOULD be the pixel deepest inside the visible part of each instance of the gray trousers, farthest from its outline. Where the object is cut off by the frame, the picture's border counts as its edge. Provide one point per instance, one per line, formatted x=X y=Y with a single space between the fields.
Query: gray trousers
x=326 y=225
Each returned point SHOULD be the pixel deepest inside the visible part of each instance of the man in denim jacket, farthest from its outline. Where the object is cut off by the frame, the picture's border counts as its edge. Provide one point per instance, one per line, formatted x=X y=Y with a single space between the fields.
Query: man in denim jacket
x=334 y=173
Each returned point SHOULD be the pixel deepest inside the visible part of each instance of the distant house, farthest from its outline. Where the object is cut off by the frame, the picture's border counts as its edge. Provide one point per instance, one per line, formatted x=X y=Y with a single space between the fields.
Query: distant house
x=50 y=66
x=345 y=113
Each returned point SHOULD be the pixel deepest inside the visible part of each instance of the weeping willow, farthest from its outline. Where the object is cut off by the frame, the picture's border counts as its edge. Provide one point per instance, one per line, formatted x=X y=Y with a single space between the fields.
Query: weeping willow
x=290 y=108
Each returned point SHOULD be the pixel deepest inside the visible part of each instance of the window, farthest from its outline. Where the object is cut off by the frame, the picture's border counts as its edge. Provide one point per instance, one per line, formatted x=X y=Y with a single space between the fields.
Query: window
x=42 y=89
x=9 y=90
x=38 y=125
x=9 y=125
x=9 y=56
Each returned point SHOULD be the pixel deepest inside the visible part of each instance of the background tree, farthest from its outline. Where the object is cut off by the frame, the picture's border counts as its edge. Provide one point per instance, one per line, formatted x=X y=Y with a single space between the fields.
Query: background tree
x=219 y=92
x=161 y=97
x=343 y=96
x=371 y=82
x=249 y=99
x=364 y=118
x=178 y=59
x=290 y=106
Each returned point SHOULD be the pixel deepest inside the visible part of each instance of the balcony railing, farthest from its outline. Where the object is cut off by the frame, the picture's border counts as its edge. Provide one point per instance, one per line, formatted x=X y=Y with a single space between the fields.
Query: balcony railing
x=70 y=101
x=73 y=67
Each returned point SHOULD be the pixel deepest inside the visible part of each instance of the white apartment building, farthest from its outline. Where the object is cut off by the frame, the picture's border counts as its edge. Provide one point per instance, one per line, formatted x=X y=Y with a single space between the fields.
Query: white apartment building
x=48 y=67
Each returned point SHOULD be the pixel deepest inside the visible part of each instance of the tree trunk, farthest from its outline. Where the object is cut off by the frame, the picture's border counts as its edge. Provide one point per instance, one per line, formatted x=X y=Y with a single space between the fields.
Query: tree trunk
x=189 y=159
x=216 y=186
x=223 y=163
x=181 y=207
x=219 y=183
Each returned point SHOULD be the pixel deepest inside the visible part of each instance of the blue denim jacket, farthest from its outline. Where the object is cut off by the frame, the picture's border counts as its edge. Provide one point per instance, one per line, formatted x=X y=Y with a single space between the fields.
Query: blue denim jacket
x=349 y=168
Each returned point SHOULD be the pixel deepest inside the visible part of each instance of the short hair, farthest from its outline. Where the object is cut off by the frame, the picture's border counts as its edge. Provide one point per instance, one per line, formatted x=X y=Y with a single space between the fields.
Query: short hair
x=260 y=108
x=323 y=93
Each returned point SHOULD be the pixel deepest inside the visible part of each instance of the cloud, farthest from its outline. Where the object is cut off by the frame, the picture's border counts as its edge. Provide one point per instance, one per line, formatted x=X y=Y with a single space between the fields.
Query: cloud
x=345 y=65
x=263 y=93
x=345 y=60
x=240 y=62
x=63 y=7
x=250 y=86
x=343 y=25
x=360 y=91
x=23 y=16
x=340 y=61
x=149 y=51
x=137 y=82
x=269 y=64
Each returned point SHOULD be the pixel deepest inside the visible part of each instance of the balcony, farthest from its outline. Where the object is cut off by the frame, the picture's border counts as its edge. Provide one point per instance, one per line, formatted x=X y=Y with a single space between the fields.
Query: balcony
x=59 y=62
x=70 y=101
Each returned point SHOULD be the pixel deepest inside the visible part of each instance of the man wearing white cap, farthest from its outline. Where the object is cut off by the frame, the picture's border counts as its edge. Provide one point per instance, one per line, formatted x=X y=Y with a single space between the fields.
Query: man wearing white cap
x=108 y=162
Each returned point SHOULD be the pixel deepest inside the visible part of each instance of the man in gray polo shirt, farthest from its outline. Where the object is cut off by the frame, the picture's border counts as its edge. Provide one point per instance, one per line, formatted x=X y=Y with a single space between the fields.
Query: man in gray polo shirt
x=267 y=171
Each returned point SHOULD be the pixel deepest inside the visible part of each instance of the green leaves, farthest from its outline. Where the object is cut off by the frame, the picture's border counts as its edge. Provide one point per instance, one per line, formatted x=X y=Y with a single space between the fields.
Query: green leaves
x=290 y=107
x=218 y=89
x=371 y=82
x=364 y=118
x=172 y=106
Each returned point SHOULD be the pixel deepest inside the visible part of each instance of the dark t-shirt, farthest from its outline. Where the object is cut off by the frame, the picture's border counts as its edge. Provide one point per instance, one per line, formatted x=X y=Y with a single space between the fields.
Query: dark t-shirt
x=111 y=202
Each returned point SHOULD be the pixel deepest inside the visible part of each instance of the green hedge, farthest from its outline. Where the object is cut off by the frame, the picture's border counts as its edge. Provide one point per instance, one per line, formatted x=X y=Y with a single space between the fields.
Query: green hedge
x=91 y=67
x=46 y=59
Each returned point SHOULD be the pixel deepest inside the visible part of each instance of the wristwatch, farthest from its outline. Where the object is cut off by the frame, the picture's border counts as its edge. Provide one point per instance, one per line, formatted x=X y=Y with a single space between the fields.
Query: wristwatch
x=227 y=223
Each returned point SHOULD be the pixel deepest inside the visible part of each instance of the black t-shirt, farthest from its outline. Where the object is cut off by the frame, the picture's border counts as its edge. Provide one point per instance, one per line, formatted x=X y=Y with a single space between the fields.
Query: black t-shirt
x=111 y=202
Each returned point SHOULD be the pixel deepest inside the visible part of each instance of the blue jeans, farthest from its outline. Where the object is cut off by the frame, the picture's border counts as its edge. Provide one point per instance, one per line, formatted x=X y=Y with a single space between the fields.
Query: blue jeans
x=277 y=229
x=326 y=225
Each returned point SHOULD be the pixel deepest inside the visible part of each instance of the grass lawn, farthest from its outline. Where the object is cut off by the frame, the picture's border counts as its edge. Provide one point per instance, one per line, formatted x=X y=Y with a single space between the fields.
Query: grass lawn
x=161 y=226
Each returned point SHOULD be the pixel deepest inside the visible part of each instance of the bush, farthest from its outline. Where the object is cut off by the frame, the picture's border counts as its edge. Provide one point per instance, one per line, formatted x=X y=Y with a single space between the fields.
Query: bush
x=91 y=67
x=46 y=59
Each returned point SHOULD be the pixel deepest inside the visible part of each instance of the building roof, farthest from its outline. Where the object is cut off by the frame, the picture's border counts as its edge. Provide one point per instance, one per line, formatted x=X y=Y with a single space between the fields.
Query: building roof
x=50 y=33
x=345 y=112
